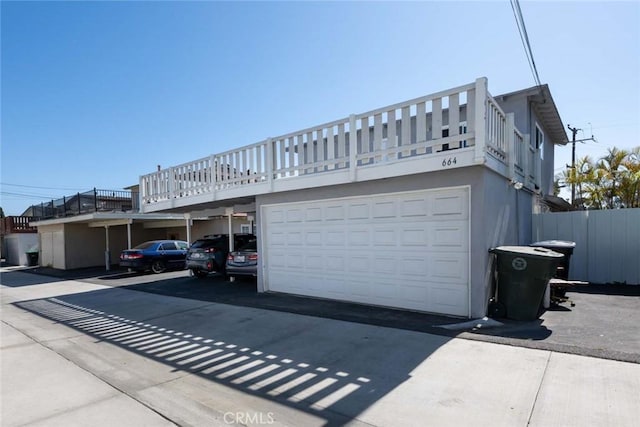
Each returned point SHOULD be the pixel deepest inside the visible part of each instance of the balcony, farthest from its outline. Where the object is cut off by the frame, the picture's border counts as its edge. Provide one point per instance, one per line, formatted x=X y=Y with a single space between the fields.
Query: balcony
x=91 y=201
x=455 y=128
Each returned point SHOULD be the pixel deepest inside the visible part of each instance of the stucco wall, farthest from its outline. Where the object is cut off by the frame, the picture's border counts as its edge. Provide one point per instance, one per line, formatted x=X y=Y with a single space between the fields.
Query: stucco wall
x=16 y=245
x=84 y=246
x=52 y=249
x=525 y=121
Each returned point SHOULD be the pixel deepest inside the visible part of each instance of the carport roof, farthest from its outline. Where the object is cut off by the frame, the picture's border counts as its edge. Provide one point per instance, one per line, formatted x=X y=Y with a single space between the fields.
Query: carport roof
x=109 y=218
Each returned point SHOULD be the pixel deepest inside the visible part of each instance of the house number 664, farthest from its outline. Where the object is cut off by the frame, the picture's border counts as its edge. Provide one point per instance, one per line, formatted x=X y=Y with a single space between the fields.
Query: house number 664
x=449 y=161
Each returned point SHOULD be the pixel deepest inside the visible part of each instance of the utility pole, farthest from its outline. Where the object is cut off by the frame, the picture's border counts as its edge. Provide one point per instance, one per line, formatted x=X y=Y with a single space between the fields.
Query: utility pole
x=574 y=131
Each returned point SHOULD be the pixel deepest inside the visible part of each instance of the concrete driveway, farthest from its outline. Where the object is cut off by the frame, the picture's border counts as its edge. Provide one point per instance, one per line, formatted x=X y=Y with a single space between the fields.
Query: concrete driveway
x=89 y=353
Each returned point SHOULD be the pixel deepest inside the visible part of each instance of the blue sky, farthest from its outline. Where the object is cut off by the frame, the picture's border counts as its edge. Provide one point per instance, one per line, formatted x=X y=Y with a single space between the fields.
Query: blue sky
x=95 y=94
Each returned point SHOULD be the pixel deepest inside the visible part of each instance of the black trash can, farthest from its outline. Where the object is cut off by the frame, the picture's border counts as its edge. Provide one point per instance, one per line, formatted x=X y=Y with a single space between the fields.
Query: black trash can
x=32 y=259
x=565 y=247
x=523 y=275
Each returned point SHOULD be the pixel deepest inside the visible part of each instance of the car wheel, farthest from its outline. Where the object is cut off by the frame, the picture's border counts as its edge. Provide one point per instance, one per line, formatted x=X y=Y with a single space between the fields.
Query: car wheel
x=158 y=267
x=200 y=274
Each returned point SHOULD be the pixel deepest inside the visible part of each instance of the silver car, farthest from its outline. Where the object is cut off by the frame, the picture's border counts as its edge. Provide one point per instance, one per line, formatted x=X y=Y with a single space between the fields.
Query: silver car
x=244 y=261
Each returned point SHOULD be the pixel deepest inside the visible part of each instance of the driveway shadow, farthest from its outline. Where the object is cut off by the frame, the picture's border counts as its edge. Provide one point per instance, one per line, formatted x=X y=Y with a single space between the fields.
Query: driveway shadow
x=333 y=370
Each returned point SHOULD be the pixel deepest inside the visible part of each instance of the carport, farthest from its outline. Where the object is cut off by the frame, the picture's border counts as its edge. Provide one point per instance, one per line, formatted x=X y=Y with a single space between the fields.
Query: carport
x=74 y=242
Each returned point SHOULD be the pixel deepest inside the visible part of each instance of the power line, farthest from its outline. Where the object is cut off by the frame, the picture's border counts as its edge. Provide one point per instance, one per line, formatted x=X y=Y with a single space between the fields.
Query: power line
x=524 y=37
x=26 y=195
x=40 y=188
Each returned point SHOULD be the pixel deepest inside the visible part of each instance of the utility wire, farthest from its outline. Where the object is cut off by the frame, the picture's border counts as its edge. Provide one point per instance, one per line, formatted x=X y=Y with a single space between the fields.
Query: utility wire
x=524 y=37
x=40 y=188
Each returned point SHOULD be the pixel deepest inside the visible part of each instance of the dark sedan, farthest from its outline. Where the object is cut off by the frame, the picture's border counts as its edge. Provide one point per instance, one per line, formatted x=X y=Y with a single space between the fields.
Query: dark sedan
x=156 y=255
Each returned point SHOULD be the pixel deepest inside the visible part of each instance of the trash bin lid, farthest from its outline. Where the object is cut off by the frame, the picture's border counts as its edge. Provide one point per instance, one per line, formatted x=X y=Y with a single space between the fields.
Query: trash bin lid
x=527 y=251
x=555 y=244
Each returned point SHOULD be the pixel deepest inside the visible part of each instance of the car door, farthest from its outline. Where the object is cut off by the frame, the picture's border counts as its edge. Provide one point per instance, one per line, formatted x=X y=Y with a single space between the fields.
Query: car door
x=183 y=248
x=169 y=253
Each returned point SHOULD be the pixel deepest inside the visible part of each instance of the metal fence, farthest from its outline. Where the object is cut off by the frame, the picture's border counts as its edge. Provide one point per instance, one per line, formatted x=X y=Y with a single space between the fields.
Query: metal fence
x=607 y=242
x=87 y=202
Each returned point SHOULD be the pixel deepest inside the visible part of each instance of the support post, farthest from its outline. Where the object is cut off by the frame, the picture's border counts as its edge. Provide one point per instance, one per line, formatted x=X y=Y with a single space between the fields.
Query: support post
x=107 y=251
x=129 y=235
x=229 y=213
x=480 y=119
x=187 y=218
x=511 y=144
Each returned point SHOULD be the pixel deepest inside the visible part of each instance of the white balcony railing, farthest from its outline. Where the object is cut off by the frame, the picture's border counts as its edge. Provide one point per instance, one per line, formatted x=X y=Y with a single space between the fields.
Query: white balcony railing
x=463 y=123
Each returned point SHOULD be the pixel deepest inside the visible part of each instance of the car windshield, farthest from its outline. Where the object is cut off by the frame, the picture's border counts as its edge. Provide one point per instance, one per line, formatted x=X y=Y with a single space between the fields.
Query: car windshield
x=207 y=243
x=145 y=245
x=250 y=246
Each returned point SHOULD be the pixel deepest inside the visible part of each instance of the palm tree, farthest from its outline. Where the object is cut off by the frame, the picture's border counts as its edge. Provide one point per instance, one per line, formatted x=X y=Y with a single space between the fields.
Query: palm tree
x=611 y=182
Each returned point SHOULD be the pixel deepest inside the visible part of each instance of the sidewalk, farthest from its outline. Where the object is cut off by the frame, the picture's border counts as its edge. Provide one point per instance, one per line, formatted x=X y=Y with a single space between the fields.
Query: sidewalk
x=87 y=354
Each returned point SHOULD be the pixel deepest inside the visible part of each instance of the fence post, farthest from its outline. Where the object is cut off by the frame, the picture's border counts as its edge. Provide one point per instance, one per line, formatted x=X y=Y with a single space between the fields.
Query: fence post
x=79 y=204
x=95 y=200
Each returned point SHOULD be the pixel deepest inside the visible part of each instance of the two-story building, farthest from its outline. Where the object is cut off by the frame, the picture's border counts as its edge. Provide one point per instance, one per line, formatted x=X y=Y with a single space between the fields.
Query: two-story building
x=395 y=207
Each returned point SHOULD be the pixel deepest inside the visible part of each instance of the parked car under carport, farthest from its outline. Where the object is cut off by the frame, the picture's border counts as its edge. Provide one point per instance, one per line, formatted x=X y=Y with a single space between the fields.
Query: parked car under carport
x=156 y=255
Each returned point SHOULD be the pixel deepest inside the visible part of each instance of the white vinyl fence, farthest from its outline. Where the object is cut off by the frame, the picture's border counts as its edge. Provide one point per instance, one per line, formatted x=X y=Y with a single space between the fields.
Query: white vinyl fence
x=607 y=243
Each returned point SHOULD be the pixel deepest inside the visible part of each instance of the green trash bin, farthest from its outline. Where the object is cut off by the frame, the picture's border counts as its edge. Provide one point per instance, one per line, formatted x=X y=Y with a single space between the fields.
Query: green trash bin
x=32 y=259
x=523 y=275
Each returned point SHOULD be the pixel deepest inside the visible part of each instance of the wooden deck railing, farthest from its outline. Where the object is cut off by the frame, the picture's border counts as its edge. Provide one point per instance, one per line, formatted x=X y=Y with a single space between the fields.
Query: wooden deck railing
x=17 y=224
x=465 y=118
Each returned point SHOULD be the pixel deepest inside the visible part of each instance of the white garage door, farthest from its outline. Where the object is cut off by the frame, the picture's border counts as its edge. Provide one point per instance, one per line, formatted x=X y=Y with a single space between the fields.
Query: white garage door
x=408 y=250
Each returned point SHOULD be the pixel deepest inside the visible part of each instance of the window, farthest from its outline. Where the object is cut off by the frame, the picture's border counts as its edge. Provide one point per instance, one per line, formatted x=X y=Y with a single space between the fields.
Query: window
x=540 y=141
x=462 y=129
x=167 y=246
x=246 y=228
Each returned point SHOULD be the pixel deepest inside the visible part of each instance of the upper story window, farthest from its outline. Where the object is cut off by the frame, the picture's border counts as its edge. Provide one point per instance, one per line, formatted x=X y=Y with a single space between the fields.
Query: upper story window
x=540 y=141
x=462 y=129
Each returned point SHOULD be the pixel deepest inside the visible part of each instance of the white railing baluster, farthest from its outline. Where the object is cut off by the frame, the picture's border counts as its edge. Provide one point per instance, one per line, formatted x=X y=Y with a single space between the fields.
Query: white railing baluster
x=454 y=115
x=364 y=138
x=406 y=131
x=342 y=146
x=421 y=125
x=353 y=147
x=392 y=141
x=377 y=135
x=436 y=119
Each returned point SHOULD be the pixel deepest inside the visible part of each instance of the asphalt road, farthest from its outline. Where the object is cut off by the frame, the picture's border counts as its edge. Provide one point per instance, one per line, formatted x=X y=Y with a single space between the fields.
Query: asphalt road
x=603 y=322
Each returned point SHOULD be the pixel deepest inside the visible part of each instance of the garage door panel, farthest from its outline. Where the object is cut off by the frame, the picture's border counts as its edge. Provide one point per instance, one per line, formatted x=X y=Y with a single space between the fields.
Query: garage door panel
x=333 y=262
x=313 y=214
x=358 y=211
x=334 y=213
x=384 y=237
x=449 y=268
x=454 y=234
x=384 y=209
x=359 y=237
x=447 y=299
x=414 y=207
x=335 y=238
x=277 y=239
x=398 y=250
x=359 y=264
